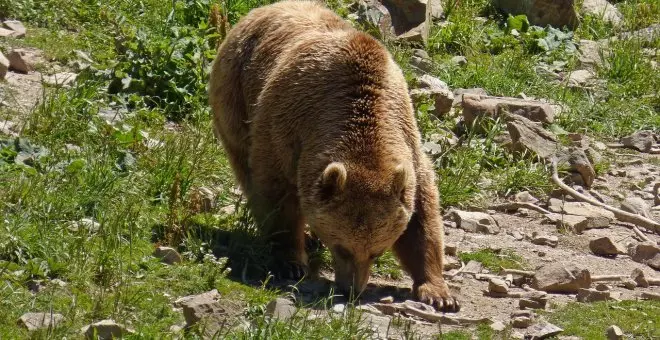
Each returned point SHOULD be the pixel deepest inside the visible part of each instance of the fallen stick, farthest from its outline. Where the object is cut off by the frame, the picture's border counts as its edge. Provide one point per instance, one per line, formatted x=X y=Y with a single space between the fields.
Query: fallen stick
x=512 y=206
x=640 y=234
x=621 y=215
x=435 y=317
x=608 y=278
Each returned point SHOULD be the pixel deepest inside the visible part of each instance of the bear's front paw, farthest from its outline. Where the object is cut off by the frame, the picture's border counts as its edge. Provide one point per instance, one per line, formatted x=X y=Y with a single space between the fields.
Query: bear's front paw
x=436 y=295
x=289 y=270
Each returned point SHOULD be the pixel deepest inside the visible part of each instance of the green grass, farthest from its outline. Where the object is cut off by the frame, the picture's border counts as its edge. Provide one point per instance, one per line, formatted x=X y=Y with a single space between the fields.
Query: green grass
x=495 y=260
x=640 y=319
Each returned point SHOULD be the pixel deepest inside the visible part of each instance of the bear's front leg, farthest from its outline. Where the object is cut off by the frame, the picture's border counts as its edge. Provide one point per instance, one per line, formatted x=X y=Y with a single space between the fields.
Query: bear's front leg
x=420 y=249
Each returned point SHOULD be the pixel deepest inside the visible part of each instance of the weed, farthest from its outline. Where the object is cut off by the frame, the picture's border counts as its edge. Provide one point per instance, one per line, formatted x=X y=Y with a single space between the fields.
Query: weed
x=495 y=260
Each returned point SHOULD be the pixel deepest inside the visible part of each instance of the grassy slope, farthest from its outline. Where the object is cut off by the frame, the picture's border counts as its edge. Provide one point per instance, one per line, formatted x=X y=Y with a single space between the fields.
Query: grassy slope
x=141 y=195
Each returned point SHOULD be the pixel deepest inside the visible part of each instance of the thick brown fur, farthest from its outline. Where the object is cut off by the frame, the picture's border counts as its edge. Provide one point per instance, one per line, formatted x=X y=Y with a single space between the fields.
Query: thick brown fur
x=319 y=129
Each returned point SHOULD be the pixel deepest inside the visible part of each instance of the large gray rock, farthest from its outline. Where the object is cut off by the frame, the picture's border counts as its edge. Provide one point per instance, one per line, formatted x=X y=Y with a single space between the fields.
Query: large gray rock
x=579 y=163
x=557 y=13
x=592 y=295
x=36 y=321
x=636 y=205
x=21 y=60
x=592 y=53
x=475 y=106
x=530 y=136
x=643 y=252
x=167 y=255
x=603 y=10
x=196 y=307
x=605 y=246
x=281 y=309
x=542 y=330
x=641 y=141
x=614 y=333
x=560 y=278
x=402 y=19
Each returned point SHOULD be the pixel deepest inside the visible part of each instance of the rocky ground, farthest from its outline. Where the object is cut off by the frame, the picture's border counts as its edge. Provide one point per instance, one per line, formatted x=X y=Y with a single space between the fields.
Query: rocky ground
x=514 y=261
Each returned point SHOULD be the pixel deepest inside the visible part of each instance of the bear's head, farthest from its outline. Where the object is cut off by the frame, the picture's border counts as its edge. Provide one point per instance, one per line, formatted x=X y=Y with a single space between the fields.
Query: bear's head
x=359 y=213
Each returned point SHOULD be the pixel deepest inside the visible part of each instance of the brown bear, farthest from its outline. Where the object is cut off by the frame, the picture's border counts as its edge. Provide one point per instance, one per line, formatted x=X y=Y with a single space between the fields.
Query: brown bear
x=319 y=129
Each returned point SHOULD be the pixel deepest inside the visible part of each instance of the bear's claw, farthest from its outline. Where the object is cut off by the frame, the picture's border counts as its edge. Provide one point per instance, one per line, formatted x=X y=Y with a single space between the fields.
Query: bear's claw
x=438 y=296
x=286 y=270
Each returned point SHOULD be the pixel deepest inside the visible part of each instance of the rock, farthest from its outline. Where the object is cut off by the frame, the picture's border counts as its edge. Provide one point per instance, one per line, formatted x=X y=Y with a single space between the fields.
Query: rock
x=404 y=20
x=4 y=66
x=16 y=27
x=450 y=262
x=473 y=267
x=638 y=276
x=614 y=333
x=654 y=262
x=437 y=90
x=596 y=217
x=85 y=223
x=557 y=13
x=526 y=197
x=544 y=240
x=642 y=252
x=437 y=12
x=451 y=249
x=496 y=285
x=196 y=307
x=61 y=79
x=636 y=205
x=432 y=149
x=532 y=304
x=560 y=278
x=644 y=35
x=458 y=94
x=601 y=287
x=281 y=309
x=459 y=60
x=656 y=194
x=21 y=60
x=339 y=308
x=605 y=246
x=421 y=61
x=650 y=296
x=203 y=198
x=105 y=329
x=167 y=255
x=592 y=295
x=527 y=135
x=522 y=318
x=476 y=106
x=36 y=321
x=387 y=299
x=474 y=221
x=578 y=162
x=542 y=330
x=580 y=78
x=6 y=33
x=517 y=235
x=590 y=55
x=603 y=10
x=641 y=141
x=629 y=284
x=498 y=326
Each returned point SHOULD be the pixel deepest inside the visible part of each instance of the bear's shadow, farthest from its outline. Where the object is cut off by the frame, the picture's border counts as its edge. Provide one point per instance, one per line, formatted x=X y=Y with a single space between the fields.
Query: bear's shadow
x=249 y=258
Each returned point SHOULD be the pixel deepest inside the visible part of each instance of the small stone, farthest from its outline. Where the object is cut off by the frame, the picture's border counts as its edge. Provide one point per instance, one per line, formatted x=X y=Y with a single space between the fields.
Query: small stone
x=650 y=296
x=526 y=197
x=592 y=295
x=281 y=309
x=644 y=251
x=654 y=262
x=601 y=287
x=4 y=66
x=451 y=263
x=61 y=79
x=474 y=221
x=636 y=205
x=542 y=330
x=522 y=319
x=195 y=307
x=545 y=240
x=605 y=246
x=16 y=26
x=437 y=90
x=450 y=249
x=105 y=329
x=532 y=304
x=496 y=285
x=387 y=299
x=167 y=255
x=518 y=236
x=473 y=267
x=339 y=308
x=559 y=278
x=498 y=326
x=614 y=333
x=459 y=60
x=641 y=141
x=18 y=61
x=36 y=321
x=629 y=284
x=638 y=276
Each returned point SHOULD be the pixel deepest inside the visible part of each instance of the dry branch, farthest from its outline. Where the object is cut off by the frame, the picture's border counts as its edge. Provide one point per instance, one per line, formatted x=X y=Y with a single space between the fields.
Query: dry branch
x=512 y=206
x=621 y=215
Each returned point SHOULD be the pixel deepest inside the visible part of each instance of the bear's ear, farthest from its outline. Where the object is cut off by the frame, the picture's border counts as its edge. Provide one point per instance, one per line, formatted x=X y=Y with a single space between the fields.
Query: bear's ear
x=333 y=179
x=401 y=174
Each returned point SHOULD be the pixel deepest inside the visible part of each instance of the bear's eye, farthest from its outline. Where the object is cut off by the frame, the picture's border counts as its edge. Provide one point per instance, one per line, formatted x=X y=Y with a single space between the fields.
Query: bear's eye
x=343 y=252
